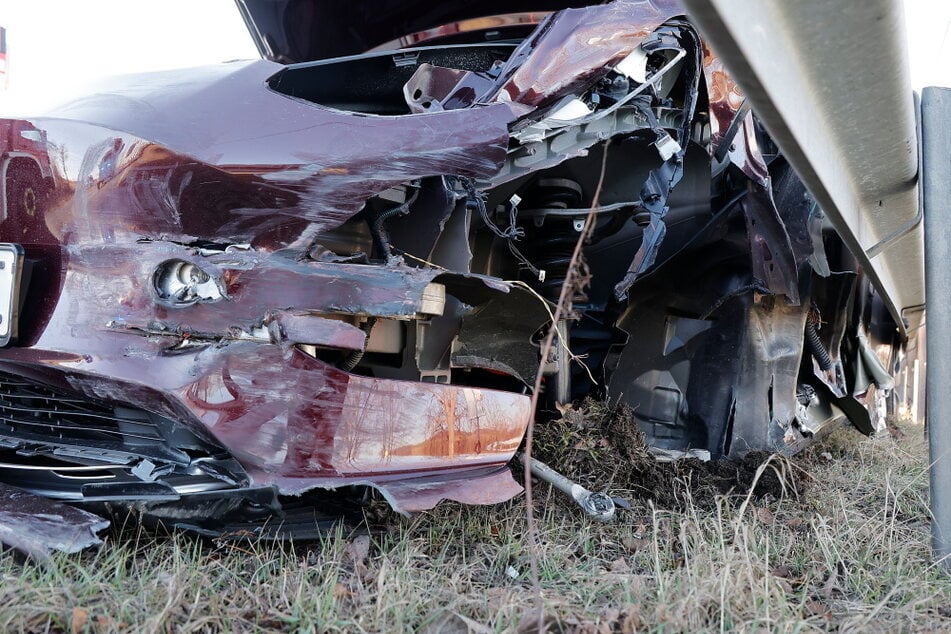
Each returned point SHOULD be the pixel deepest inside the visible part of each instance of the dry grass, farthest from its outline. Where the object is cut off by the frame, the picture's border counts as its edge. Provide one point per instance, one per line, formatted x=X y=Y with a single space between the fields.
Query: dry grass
x=850 y=554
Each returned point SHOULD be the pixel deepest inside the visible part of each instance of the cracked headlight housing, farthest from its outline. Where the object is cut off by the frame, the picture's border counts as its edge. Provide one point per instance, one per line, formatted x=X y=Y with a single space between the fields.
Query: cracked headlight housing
x=177 y=283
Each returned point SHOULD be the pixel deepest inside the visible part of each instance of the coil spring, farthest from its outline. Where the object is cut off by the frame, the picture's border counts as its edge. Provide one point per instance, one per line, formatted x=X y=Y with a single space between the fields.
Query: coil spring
x=553 y=243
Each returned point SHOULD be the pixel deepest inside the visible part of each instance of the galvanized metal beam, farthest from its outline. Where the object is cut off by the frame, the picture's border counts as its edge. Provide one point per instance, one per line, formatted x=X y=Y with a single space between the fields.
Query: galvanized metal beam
x=936 y=186
x=831 y=83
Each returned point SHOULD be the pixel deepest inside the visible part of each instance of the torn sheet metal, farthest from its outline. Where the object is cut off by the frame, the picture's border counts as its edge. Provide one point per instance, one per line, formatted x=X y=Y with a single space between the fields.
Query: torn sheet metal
x=37 y=526
x=207 y=142
x=483 y=485
x=299 y=327
x=574 y=47
x=338 y=426
x=773 y=258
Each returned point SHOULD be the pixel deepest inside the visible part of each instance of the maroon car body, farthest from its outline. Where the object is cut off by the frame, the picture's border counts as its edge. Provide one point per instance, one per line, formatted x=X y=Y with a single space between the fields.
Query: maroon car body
x=245 y=284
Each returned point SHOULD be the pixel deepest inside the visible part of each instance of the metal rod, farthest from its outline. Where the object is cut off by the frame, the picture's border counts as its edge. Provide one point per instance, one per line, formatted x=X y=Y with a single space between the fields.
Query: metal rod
x=598 y=506
x=936 y=183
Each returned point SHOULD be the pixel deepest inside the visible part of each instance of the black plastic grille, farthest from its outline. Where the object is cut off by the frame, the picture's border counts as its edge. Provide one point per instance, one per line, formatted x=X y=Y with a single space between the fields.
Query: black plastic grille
x=30 y=410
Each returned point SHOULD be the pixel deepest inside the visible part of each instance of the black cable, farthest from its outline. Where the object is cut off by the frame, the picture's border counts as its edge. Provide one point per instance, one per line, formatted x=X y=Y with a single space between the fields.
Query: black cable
x=816 y=347
x=351 y=360
x=380 y=237
x=736 y=292
x=513 y=232
x=510 y=235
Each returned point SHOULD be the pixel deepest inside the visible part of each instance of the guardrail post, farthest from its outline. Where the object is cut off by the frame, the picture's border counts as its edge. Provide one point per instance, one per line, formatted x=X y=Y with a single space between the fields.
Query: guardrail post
x=935 y=182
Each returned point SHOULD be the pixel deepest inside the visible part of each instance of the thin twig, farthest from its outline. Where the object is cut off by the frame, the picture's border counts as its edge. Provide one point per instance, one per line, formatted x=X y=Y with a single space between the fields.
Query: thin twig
x=568 y=287
x=577 y=358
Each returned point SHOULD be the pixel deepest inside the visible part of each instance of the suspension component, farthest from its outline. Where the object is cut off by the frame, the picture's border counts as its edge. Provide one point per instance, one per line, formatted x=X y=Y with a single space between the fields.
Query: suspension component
x=554 y=236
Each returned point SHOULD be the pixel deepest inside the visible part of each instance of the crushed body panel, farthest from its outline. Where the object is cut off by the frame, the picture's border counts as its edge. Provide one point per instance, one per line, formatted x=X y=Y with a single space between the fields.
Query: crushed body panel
x=36 y=526
x=249 y=284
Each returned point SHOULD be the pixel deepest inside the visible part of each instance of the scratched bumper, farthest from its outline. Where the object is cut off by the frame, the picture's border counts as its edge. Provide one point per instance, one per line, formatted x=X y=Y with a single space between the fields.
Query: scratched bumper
x=336 y=429
x=222 y=396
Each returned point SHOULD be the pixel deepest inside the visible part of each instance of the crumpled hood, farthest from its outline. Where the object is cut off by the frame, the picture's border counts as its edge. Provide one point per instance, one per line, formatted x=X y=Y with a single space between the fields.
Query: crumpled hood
x=291 y=31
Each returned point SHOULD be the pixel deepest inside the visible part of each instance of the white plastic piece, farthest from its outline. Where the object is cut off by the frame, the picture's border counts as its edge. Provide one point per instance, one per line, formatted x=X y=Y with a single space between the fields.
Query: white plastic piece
x=533 y=133
x=433 y=301
x=570 y=110
x=634 y=65
x=667 y=147
x=672 y=455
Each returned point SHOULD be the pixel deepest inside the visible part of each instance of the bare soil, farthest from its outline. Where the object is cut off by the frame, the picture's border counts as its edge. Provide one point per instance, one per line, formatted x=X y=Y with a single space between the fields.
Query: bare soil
x=600 y=446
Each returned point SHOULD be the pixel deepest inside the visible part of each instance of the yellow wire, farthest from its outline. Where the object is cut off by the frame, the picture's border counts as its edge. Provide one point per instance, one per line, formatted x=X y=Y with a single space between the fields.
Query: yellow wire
x=551 y=316
x=427 y=262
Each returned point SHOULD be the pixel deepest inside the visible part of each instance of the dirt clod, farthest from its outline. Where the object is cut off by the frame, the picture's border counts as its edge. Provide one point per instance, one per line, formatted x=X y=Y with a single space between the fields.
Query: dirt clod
x=600 y=446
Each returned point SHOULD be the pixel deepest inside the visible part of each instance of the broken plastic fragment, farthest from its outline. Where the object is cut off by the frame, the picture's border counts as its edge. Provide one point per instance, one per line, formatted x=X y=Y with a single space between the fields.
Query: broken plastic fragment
x=634 y=65
x=36 y=526
x=672 y=455
x=570 y=110
x=666 y=146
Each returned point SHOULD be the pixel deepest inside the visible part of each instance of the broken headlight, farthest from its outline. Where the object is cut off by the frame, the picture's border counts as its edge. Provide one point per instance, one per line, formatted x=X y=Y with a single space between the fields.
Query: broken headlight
x=178 y=283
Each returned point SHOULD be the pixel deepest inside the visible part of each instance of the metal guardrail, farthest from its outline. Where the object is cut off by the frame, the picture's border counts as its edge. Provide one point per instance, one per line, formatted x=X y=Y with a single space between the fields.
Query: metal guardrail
x=831 y=82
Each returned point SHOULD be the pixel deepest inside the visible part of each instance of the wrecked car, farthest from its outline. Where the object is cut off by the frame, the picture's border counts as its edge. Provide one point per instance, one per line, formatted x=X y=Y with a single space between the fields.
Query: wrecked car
x=234 y=296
